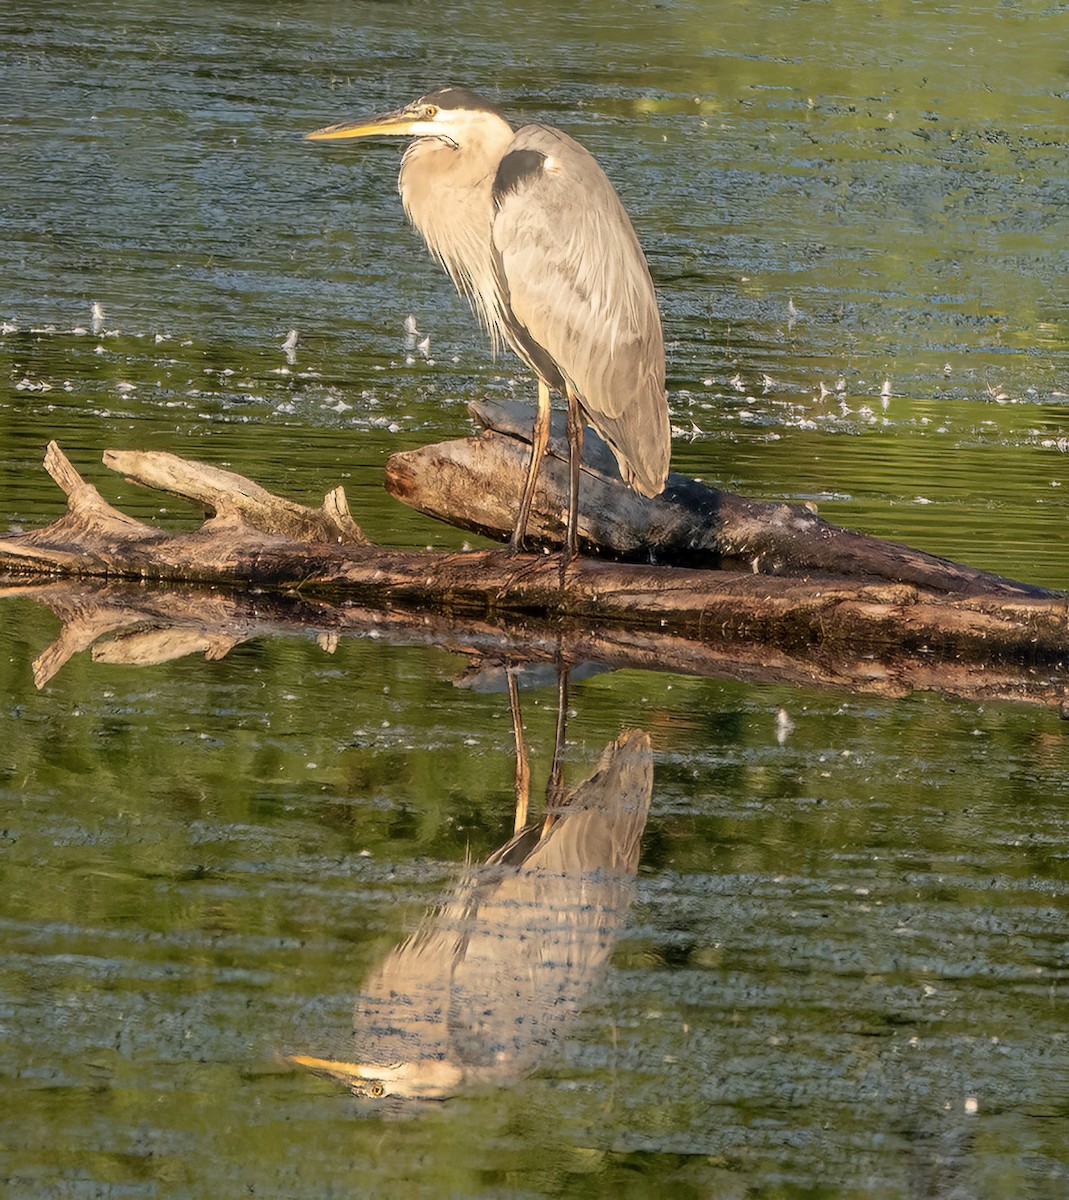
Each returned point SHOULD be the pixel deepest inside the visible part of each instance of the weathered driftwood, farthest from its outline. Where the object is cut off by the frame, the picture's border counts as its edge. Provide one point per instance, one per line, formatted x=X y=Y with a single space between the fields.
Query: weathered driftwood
x=474 y=483
x=1009 y=640
x=225 y=494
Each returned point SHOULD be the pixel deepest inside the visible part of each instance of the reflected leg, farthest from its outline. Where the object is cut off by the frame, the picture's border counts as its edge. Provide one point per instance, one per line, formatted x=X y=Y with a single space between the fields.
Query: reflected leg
x=523 y=766
x=555 y=784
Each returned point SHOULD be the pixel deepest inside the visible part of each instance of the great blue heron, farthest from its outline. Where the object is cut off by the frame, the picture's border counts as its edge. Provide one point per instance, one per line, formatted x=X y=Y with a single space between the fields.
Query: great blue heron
x=529 y=227
x=490 y=982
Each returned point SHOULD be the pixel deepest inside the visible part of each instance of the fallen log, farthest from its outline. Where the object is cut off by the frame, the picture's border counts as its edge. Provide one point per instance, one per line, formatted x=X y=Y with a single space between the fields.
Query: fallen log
x=1007 y=640
x=474 y=483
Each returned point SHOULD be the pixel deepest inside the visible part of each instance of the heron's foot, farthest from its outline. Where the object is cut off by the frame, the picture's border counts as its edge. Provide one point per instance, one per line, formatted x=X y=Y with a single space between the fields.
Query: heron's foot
x=567 y=558
x=569 y=554
x=540 y=563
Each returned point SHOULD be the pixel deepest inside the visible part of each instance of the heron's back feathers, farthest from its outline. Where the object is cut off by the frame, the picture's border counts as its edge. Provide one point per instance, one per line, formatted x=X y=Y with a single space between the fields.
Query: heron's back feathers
x=577 y=292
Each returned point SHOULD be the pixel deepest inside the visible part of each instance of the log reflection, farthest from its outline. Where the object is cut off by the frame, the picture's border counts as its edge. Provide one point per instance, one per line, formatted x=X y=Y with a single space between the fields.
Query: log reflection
x=493 y=979
x=130 y=624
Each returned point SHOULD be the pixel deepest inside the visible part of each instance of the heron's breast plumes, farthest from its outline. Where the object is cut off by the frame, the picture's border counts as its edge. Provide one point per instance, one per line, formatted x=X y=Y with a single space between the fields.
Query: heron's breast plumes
x=446 y=193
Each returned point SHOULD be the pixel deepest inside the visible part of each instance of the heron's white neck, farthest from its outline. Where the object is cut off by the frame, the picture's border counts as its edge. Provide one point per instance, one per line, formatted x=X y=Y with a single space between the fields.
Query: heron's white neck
x=445 y=188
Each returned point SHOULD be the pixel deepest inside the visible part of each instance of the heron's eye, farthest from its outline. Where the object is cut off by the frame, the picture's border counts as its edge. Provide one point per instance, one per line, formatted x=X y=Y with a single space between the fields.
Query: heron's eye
x=430 y=111
x=376 y=1090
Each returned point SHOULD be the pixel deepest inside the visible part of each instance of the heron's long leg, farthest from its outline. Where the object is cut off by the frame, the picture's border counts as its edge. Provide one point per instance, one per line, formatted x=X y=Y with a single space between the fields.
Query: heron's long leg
x=539 y=438
x=523 y=766
x=575 y=460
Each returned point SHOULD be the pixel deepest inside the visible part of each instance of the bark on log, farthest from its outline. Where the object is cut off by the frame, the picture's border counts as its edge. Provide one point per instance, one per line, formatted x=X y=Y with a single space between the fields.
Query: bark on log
x=1007 y=640
x=476 y=482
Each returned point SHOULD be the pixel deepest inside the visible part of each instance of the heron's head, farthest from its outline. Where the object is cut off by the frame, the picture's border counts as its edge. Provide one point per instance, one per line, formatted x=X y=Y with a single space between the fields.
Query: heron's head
x=455 y=116
x=426 y=1079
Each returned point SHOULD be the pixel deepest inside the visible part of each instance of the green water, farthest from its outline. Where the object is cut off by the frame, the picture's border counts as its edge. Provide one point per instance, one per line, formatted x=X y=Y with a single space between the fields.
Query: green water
x=844 y=971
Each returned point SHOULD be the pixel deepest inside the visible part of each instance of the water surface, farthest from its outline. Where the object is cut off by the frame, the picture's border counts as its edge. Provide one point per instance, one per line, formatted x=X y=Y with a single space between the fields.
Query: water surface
x=844 y=970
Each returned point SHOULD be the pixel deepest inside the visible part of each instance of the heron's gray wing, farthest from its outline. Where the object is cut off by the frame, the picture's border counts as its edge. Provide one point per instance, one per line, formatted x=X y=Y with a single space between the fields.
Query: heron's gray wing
x=608 y=811
x=402 y=1011
x=579 y=291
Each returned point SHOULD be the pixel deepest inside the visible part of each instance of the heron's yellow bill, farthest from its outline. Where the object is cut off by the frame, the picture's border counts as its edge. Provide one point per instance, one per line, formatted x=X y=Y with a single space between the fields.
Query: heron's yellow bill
x=400 y=122
x=350 y=1072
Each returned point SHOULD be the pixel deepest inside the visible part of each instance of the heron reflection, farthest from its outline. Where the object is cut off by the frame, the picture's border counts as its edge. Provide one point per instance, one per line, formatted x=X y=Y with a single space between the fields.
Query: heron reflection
x=492 y=980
